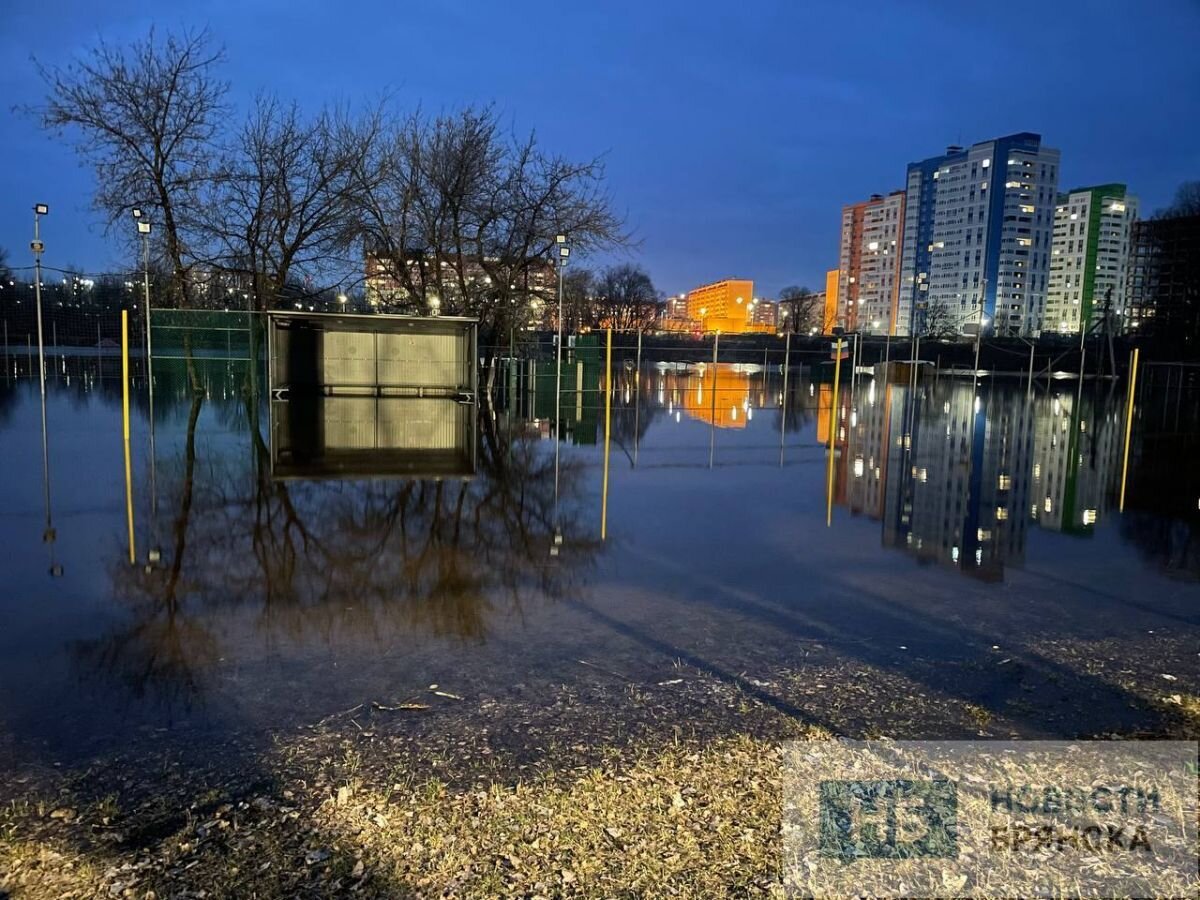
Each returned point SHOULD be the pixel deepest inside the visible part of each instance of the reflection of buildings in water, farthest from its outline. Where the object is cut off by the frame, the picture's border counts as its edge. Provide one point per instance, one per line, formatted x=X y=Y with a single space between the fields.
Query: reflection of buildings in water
x=866 y=452
x=956 y=493
x=1075 y=454
x=957 y=476
x=718 y=395
x=724 y=395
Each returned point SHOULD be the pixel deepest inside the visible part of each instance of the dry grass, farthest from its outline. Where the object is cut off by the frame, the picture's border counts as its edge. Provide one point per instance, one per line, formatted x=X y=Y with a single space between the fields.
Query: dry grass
x=689 y=822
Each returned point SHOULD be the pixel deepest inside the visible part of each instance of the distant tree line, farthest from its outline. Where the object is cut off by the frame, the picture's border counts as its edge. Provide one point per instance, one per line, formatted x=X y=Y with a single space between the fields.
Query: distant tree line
x=621 y=297
x=283 y=204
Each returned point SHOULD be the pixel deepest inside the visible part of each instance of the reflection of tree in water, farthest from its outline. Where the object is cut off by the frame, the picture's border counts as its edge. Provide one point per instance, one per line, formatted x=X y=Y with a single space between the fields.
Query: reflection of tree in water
x=161 y=649
x=363 y=560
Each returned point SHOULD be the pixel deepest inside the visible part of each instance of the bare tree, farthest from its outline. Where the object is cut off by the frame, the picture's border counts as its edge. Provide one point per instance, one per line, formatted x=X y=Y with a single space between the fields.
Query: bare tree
x=1186 y=203
x=452 y=209
x=579 y=288
x=279 y=211
x=804 y=310
x=146 y=117
x=625 y=298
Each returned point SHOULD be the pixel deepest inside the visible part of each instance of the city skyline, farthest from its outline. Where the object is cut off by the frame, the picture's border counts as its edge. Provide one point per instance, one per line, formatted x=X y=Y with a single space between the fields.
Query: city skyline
x=703 y=210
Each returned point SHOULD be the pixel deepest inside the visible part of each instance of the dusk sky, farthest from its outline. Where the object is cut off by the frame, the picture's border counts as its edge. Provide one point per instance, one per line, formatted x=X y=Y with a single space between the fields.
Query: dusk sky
x=733 y=132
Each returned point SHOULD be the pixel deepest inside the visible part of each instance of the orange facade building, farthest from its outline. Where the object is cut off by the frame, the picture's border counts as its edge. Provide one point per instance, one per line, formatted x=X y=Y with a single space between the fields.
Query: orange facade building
x=832 y=286
x=725 y=306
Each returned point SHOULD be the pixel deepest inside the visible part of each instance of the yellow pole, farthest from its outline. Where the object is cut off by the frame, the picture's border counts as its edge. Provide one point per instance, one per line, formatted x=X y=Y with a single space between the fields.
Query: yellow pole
x=125 y=429
x=607 y=434
x=1133 y=367
x=833 y=426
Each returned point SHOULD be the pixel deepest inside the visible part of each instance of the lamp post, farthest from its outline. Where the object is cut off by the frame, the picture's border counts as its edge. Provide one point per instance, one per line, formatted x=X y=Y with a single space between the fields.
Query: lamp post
x=36 y=245
x=49 y=535
x=143 y=229
x=564 y=252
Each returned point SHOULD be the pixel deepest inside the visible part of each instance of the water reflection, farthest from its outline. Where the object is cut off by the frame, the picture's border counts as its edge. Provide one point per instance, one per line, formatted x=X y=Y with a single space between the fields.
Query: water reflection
x=255 y=539
x=274 y=545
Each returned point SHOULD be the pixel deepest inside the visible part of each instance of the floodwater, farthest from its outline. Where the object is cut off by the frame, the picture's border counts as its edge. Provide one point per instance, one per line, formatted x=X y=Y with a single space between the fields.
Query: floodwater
x=965 y=546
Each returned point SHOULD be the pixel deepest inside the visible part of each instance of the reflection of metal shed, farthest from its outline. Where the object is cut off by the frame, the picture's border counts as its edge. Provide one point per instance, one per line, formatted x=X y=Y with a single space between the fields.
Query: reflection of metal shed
x=364 y=396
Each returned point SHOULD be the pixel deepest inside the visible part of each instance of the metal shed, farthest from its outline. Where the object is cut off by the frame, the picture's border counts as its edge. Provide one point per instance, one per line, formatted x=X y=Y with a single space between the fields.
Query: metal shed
x=371 y=395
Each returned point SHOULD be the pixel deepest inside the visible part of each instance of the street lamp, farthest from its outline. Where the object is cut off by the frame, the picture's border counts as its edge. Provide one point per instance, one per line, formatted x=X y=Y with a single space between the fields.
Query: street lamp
x=564 y=252
x=36 y=245
x=48 y=534
x=143 y=229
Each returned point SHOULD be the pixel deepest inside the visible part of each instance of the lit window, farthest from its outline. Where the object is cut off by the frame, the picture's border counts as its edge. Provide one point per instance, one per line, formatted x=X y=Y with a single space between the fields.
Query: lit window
x=986 y=163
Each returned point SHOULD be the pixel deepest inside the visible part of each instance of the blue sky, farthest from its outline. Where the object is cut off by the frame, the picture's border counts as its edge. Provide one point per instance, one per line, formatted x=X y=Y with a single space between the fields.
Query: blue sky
x=733 y=132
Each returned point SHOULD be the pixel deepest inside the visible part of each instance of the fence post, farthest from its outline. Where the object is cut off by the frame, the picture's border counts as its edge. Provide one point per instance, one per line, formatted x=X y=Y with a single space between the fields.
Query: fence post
x=1133 y=366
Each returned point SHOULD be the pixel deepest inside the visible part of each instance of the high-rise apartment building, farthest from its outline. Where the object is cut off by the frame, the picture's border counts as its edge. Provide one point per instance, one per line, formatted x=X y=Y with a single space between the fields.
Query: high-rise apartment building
x=1090 y=256
x=869 y=263
x=977 y=234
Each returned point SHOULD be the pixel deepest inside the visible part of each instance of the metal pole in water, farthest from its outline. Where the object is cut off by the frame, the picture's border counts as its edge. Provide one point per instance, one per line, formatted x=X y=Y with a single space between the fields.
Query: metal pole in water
x=833 y=425
x=787 y=351
x=1029 y=382
x=607 y=434
x=125 y=431
x=712 y=432
x=149 y=349
x=637 y=398
x=1133 y=368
